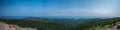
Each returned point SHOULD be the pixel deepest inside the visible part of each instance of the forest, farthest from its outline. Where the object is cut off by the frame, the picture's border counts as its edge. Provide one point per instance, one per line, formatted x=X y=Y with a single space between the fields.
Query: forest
x=65 y=23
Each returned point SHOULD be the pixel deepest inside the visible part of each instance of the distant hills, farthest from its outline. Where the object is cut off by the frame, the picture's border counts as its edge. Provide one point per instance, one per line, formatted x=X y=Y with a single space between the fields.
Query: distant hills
x=64 y=23
x=21 y=17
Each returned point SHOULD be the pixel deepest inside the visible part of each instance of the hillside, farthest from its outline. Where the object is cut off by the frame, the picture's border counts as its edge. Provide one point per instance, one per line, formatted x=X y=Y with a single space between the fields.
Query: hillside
x=64 y=24
x=98 y=24
x=40 y=25
x=5 y=26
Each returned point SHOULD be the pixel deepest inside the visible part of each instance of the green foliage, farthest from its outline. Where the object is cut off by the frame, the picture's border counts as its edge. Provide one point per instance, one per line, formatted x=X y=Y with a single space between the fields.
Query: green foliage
x=101 y=24
x=37 y=24
x=64 y=24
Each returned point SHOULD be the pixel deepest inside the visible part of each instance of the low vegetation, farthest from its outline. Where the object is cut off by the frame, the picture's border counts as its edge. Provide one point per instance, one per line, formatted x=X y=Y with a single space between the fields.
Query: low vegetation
x=65 y=23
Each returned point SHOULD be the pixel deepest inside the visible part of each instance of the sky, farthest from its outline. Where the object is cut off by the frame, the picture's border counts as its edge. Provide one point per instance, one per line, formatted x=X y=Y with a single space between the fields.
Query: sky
x=98 y=8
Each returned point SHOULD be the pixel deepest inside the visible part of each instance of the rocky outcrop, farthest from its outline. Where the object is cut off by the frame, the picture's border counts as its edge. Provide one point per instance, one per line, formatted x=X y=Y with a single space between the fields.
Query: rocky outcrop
x=4 y=26
x=117 y=27
x=29 y=29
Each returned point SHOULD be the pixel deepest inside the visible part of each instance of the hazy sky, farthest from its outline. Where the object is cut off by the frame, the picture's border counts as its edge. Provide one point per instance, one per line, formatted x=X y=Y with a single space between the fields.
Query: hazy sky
x=60 y=8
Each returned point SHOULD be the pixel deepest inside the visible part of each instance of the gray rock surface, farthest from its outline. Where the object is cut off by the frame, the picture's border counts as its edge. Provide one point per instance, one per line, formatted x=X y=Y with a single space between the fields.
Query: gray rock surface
x=4 y=26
